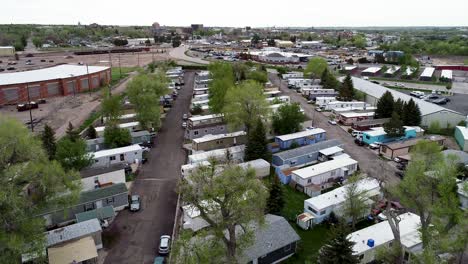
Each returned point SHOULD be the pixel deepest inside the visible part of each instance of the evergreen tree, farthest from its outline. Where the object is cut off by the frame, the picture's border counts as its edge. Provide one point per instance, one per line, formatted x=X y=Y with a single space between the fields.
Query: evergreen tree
x=412 y=114
x=48 y=141
x=346 y=91
x=275 y=201
x=394 y=127
x=338 y=249
x=328 y=80
x=257 y=143
x=72 y=134
x=398 y=107
x=385 y=106
x=92 y=134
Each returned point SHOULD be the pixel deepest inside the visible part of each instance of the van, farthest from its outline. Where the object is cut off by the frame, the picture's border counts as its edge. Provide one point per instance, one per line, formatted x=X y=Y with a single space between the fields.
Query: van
x=356 y=134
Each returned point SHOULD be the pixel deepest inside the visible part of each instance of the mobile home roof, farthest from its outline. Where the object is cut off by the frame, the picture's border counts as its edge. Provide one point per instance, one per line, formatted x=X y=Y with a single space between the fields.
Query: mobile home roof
x=323 y=167
x=210 y=137
x=116 y=151
x=301 y=134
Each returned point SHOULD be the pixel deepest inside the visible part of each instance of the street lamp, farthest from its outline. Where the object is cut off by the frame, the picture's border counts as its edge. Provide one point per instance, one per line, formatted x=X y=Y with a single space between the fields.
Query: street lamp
x=30 y=110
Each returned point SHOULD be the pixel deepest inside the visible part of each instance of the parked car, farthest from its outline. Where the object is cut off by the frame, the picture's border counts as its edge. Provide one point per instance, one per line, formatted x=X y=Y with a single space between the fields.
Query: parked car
x=43 y=60
x=41 y=101
x=440 y=101
x=159 y=260
x=135 y=203
x=332 y=122
x=185 y=116
x=26 y=106
x=164 y=244
x=11 y=68
x=318 y=109
x=29 y=55
x=374 y=146
x=184 y=124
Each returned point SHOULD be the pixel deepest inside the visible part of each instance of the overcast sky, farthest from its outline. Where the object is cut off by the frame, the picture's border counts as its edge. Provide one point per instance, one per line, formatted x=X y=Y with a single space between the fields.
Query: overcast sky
x=238 y=13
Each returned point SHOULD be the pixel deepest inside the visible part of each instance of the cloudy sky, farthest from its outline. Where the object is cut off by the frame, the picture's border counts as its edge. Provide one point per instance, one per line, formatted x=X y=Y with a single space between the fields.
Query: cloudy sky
x=239 y=12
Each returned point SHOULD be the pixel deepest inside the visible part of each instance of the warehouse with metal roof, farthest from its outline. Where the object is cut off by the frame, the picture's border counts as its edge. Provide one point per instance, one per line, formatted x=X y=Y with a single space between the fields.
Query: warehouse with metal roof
x=429 y=112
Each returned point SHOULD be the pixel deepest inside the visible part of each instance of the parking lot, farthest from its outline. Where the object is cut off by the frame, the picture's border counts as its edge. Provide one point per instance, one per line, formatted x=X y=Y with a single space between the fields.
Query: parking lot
x=458 y=102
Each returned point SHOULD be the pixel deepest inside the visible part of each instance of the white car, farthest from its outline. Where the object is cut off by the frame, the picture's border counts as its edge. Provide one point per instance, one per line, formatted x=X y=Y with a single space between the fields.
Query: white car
x=184 y=124
x=184 y=116
x=332 y=122
x=164 y=244
x=135 y=203
x=374 y=146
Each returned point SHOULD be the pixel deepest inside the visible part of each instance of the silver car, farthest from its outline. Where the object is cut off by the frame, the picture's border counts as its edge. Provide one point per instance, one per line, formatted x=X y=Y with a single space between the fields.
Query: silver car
x=135 y=203
x=164 y=244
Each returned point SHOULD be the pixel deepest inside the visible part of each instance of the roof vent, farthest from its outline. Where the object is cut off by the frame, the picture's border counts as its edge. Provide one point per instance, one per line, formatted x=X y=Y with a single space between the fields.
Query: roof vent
x=370 y=242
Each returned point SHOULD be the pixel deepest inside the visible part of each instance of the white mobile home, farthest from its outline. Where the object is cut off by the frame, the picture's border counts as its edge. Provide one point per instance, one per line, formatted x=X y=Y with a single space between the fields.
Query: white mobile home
x=129 y=154
x=93 y=178
x=291 y=75
x=370 y=239
x=132 y=126
x=261 y=167
x=270 y=94
x=351 y=105
x=314 y=178
x=187 y=169
x=200 y=97
x=323 y=101
x=236 y=154
x=320 y=207
x=317 y=92
x=279 y=99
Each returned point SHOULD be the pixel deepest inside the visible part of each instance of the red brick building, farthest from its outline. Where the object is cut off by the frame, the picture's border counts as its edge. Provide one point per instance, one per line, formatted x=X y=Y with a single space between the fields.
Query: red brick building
x=59 y=80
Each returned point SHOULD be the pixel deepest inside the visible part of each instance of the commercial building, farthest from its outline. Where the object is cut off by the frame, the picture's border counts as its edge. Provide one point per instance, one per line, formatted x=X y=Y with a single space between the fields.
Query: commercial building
x=198 y=126
x=313 y=179
x=276 y=56
x=210 y=142
x=283 y=43
x=400 y=148
x=129 y=154
x=371 y=71
x=461 y=136
x=379 y=236
x=320 y=207
x=429 y=112
x=392 y=70
x=349 y=118
x=446 y=75
x=427 y=74
x=300 y=138
x=48 y=82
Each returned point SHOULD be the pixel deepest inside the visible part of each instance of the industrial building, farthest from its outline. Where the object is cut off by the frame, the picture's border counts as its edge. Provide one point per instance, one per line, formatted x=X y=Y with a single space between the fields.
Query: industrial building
x=429 y=112
x=7 y=51
x=59 y=80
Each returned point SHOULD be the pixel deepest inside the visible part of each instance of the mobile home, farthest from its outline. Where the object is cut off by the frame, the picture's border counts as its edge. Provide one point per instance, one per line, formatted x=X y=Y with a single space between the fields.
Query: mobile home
x=129 y=154
x=210 y=142
x=300 y=138
x=131 y=126
x=198 y=126
x=236 y=154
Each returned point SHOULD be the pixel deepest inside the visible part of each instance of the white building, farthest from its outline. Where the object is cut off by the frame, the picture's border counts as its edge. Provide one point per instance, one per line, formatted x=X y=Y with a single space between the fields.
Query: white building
x=323 y=101
x=280 y=99
x=320 y=207
x=446 y=74
x=129 y=154
x=355 y=105
x=92 y=178
x=426 y=75
x=371 y=71
x=260 y=166
x=290 y=75
x=317 y=91
x=429 y=112
x=188 y=169
x=7 y=51
x=463 y=194
x=320 y=176
x=200 y=97
x=236 y=154
x=370 y=239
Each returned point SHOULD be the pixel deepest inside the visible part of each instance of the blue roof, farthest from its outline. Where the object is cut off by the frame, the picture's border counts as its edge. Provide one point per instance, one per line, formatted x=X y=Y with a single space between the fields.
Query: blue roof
x=297 y=152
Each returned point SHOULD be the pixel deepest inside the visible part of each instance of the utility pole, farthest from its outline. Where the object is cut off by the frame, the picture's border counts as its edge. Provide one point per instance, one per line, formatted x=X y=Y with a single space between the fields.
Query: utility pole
x=138 y=58
x=89 y=83
x=120 y=69
x=30 y=110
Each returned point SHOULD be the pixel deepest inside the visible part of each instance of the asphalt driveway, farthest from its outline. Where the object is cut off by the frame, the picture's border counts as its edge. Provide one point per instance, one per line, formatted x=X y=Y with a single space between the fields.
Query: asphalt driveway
x=136 y=235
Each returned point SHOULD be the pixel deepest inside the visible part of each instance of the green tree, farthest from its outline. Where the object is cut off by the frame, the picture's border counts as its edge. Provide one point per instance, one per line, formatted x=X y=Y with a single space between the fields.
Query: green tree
x=92 y=134
x=275 y=202
x=227 y=200
x=244 y=104
x=394 y=127
x=411 y=114
x=346 y=91
x=315 y=67
x=256 y=147
x=338 y=249
x=328 y=80
x=48 y=141
x=222 y=78
x=359 y=42
x=355 y=201
x=240 y=71
x=72 y=155
x=398 y=107
x=111 y=108
x=72 y=133
x=116 y=137
x=385 y=105
x=144 y=92
x=258 y=75
x=29 y=183
x=429 y=188
x=288 y=119
x=255 y=39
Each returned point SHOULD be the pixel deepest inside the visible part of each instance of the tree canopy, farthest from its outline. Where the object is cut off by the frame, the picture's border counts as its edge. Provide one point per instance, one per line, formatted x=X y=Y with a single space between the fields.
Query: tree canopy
x=338 y=249
x=288 y=119
x=346 y=91
x=256 y=147
x=411 y=114
x=244 y=104
x=385 y=105
x=394 y=127
x=315 y=67
x=116 y=137
x=222 y=78
x=48 y=141
x=144 y=92
x=29 y=183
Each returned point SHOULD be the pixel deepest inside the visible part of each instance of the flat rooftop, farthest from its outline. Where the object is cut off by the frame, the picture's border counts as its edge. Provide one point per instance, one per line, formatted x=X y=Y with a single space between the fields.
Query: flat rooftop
x=372 y=69
x=210 y=137
x=115 y=151
x=301 y=134
x=46 y=74
x=323 y=167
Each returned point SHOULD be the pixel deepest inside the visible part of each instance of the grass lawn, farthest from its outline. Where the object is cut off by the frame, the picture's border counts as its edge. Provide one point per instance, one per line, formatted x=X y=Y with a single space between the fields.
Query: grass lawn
x=115 y=73
x=406 y=80
x=311 y=240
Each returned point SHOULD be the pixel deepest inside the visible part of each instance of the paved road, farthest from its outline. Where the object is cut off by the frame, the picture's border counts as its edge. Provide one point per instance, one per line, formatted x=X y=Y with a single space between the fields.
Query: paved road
x=368 y=161
x=138 y=233
x=179 y=54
